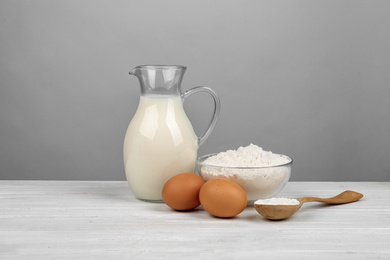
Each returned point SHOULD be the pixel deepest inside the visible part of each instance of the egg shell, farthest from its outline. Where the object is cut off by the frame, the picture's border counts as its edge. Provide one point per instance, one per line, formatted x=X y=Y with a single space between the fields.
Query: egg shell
x=181 y=192
x=222 y=198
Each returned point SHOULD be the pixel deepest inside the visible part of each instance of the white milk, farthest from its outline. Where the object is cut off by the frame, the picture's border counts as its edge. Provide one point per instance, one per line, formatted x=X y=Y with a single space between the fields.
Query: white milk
x=159 y=144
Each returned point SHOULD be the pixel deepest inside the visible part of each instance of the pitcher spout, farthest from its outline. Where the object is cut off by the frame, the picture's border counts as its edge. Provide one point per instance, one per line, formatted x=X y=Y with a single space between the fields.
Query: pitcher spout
x=135 y=71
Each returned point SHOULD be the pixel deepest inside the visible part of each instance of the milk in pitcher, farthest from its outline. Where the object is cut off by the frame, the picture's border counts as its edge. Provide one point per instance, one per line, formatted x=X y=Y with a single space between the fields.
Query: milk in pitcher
x=159 y=144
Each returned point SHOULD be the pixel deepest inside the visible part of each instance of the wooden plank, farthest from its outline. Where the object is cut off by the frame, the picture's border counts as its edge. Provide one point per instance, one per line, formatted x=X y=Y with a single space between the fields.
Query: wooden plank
x=102 y=219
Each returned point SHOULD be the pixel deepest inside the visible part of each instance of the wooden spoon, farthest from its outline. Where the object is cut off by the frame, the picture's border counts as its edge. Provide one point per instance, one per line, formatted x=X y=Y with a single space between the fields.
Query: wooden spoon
x=278 y=212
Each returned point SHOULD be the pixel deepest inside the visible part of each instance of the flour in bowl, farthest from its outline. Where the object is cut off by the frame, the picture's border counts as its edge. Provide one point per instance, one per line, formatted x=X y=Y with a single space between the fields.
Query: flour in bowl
x=249 y=156
x=272 y=172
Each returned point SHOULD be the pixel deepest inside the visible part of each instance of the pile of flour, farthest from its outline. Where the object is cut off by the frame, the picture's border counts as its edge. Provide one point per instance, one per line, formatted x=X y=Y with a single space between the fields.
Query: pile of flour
x=249 y=156
x=277 y=201
x=257 y=182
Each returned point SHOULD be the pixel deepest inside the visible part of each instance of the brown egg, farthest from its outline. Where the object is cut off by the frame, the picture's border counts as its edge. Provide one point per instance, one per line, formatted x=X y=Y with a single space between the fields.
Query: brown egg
x=222 y=198
x=181 y=192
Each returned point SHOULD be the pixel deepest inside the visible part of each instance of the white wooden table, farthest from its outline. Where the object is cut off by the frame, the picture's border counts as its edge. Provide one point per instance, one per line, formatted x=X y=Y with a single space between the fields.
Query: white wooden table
x=103 y=220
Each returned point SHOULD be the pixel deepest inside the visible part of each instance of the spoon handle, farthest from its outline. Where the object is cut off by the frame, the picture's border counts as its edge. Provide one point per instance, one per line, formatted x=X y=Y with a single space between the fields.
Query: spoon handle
x=344 y=197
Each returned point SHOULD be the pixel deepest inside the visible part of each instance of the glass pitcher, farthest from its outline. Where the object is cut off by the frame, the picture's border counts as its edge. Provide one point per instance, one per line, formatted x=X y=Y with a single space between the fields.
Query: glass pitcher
x=160 y=141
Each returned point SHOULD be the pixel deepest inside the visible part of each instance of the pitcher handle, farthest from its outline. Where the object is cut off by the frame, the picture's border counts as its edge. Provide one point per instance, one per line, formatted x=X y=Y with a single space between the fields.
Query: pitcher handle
x=217 y=108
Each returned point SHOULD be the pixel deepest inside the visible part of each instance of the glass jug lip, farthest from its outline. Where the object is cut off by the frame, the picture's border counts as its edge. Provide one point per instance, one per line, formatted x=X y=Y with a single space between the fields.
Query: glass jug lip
x=161 y=67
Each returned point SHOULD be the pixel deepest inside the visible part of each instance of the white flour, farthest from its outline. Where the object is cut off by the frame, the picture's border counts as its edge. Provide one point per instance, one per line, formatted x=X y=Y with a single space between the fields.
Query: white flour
x=250 y=156
x=277 y=201
x=257 y=182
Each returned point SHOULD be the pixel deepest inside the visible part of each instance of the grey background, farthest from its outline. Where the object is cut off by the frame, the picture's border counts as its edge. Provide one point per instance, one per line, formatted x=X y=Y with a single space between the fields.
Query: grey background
x=309 y=79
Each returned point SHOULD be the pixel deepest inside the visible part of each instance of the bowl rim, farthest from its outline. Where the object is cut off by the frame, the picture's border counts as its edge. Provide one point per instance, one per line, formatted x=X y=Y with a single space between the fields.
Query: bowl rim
x=200 y=160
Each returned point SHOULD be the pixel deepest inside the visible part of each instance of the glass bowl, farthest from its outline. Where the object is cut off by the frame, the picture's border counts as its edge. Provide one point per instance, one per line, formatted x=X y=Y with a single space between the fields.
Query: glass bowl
x=257 y=182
